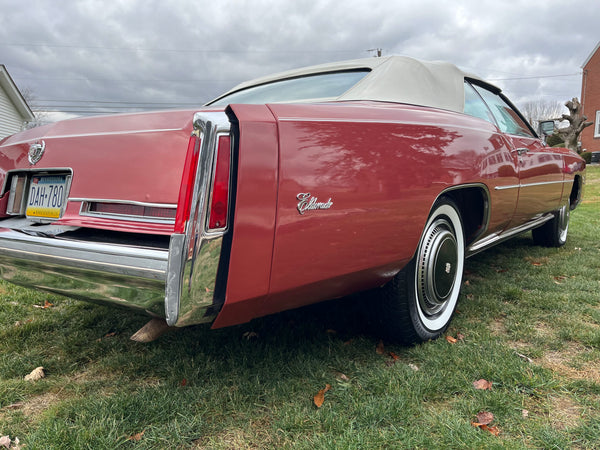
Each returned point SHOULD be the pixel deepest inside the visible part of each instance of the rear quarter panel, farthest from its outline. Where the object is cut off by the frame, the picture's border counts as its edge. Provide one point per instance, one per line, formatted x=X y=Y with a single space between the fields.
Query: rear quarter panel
x=382 y=165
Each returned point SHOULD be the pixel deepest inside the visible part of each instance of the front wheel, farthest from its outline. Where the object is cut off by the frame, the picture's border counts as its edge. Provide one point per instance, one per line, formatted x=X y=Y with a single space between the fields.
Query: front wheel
x=554 y=232
x=418 y=304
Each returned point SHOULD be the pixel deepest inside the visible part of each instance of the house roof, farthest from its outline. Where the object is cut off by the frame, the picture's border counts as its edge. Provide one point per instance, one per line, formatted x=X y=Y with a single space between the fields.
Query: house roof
x=15 y=95
x=591 y=55
x=391 y=79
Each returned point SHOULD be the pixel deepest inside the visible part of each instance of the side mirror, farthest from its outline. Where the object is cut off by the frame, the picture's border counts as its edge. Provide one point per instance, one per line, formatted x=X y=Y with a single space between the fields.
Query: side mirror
x=547 y=127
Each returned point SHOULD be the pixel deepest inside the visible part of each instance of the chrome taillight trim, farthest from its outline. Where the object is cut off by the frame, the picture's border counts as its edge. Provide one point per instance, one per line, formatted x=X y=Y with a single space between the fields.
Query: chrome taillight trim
x=194 y=255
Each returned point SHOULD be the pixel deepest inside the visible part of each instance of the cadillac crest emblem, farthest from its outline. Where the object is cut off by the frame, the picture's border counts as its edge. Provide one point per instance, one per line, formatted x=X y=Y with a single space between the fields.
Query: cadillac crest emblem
x=36 y=151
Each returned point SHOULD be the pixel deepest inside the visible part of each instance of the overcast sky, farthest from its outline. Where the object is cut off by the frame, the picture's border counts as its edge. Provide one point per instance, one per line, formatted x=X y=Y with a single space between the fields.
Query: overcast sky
x=122 y=55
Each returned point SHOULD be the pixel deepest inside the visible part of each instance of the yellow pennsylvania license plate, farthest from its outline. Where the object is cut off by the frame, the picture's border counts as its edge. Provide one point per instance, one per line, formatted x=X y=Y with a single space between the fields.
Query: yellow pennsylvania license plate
x=46 y=196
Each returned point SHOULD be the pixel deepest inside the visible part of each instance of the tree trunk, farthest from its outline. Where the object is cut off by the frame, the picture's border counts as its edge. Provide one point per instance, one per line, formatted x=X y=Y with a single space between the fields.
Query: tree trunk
x=577 y=122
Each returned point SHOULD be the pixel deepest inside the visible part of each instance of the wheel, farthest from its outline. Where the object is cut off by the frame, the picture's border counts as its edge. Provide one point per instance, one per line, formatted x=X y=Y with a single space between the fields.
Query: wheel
x=554 y=232
x=418 y=304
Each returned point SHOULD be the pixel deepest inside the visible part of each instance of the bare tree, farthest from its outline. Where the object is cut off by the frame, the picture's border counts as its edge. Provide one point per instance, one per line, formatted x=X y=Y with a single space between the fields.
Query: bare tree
x=40 y=116
x=536 y=111
x=577 y=122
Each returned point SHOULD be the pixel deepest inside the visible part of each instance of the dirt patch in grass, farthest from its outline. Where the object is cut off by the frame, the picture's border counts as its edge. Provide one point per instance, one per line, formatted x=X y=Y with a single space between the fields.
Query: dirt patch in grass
x=544 y=331
x=37 y=405
x=564 y=413
x=563 y=362
x=497 y=327
x=254 y=438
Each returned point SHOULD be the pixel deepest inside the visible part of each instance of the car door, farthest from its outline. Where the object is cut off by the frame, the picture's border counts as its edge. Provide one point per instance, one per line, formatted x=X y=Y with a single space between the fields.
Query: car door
x=540 y=171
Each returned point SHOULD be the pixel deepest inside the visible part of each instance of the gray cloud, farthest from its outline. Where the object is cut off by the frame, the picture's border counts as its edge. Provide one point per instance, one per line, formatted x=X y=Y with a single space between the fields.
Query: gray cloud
x=75 y=54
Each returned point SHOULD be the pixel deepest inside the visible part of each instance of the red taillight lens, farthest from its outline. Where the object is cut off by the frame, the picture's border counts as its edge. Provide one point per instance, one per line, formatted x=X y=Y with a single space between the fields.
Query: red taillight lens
x=186 y=190
x=219 y=204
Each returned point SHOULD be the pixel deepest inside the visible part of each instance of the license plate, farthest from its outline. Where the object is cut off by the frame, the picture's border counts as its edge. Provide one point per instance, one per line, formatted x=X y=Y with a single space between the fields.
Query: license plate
x=46 y=196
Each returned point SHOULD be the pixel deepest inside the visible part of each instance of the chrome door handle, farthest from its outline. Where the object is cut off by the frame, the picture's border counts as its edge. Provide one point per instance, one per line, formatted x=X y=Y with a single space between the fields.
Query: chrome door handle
x=522 y=150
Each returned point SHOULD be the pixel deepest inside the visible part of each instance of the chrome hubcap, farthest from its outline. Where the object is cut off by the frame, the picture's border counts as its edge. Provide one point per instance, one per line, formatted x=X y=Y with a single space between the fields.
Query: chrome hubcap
x=437 y=266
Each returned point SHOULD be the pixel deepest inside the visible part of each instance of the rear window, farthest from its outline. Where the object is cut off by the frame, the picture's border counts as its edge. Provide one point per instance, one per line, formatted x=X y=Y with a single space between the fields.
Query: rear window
x=310 y=87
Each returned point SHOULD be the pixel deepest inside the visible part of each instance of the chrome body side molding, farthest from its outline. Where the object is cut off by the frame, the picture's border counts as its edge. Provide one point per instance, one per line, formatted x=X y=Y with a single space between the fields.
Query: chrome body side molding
x=542 y=183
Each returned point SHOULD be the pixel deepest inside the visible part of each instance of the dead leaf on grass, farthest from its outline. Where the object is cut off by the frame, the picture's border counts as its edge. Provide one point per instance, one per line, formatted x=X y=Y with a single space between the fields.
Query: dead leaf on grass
x=46 y=305
x=107 y=335
x=341 y=376
x=36 y=374
x=380 y=349
x=320 y=397
x=494 y=430
x=136 y=437
x=5 y=441
x=482 y=385
x=454 y=340
x=484 y=417
x=249 y=335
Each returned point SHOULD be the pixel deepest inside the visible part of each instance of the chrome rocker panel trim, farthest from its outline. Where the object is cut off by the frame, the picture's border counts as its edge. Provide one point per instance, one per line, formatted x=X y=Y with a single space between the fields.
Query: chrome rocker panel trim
x=494 y=239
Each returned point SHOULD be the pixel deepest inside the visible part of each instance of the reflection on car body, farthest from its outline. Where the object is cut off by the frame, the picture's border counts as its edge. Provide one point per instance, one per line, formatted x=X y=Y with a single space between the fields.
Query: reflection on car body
x=381 y=173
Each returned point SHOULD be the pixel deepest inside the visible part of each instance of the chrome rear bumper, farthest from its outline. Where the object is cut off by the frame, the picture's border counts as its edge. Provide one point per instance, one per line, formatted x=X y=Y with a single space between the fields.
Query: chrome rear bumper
x=177 y=283
x=118 y=274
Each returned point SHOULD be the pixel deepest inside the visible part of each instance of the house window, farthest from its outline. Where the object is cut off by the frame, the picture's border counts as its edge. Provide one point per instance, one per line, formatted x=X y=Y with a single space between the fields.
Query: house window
x=597 y=125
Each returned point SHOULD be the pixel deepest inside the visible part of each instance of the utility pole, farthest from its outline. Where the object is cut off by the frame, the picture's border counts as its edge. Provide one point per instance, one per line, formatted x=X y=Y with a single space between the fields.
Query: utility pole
x=377 y=50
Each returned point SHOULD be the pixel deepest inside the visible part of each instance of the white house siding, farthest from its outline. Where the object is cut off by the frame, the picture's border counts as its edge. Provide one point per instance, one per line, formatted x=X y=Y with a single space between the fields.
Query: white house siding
x=10 y=119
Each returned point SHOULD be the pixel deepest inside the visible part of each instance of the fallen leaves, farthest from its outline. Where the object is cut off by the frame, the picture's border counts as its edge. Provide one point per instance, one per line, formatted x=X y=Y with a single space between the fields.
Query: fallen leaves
x=482 y=385
x=46 y=305
x=136 y=437
x=20 y=323
x=537 y=262
x=483 y=421
x=36 y=374
x=250 y=335
x=107 y=335
x=7 y=442
x=454 y=340
x=319 y=398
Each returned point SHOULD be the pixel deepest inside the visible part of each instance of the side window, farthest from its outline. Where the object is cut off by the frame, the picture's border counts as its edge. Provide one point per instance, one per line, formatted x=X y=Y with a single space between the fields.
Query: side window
x=475 y=106
x=597 y=129
x=509 y=121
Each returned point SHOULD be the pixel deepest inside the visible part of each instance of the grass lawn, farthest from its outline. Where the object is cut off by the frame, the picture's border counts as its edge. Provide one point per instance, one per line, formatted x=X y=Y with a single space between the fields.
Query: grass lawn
x=528 y=321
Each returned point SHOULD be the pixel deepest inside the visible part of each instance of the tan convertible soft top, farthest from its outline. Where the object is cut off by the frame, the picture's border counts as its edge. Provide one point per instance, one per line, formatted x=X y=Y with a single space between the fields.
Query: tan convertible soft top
x=398 y=79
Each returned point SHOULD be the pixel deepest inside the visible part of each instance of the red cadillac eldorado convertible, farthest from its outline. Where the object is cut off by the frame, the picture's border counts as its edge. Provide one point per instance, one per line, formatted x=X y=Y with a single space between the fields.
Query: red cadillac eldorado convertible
x=287 y=190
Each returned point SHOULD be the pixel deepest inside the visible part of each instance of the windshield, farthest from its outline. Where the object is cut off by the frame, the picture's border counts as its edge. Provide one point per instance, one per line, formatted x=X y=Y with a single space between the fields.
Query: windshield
x=309 y=87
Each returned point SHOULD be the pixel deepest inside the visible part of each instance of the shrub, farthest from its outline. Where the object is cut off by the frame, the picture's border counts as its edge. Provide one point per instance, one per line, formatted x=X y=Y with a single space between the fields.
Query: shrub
x=587 y=156
x=554 y=141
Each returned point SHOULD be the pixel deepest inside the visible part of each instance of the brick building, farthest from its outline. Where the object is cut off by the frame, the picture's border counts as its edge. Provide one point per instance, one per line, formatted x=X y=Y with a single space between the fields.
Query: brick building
x=590 y=100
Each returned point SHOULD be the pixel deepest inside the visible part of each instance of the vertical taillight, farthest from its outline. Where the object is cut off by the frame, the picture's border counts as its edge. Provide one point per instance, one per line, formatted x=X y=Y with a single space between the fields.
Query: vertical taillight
x=186 y=190
x=219 y=200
